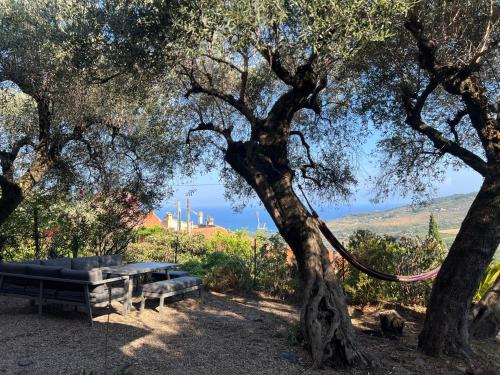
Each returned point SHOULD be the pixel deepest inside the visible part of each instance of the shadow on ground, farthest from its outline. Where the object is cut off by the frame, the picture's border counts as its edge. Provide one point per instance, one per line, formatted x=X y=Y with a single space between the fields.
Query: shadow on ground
x=222 y=334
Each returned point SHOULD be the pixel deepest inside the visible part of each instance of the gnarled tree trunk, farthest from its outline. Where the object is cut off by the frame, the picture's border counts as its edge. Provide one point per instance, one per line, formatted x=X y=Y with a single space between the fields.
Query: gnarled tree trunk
x=485 y=314
x=11 y=198
x=326 y=325
x=13 y=191
x=446 y=327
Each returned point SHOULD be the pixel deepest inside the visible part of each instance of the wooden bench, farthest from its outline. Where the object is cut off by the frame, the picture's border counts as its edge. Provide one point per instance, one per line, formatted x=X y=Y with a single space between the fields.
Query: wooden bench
x=169 y=288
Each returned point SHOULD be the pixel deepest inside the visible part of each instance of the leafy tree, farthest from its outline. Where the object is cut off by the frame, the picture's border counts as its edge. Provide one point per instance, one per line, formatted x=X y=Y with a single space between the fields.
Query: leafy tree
x=48 y=225
x=433 y=232
x=63 y=123
x=432 y=91
x=265 y=88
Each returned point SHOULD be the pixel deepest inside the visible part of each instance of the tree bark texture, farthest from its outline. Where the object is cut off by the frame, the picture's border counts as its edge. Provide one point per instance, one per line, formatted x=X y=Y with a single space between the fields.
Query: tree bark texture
x=485 y=315
x=446 y=327
x=326 y=326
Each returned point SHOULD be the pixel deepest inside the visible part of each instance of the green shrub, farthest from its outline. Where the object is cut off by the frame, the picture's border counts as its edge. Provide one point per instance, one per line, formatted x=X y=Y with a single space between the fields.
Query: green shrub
x=404 y=256
x=162 y=245
x=226 y=272
x=226 y=261
x=275 y=276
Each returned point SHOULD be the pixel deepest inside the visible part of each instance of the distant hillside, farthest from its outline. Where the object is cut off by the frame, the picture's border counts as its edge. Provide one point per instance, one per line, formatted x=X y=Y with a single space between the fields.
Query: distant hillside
x=407 y=220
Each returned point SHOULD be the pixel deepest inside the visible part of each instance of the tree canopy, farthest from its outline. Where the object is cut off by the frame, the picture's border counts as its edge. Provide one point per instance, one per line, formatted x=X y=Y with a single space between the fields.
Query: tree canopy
x=64 y=121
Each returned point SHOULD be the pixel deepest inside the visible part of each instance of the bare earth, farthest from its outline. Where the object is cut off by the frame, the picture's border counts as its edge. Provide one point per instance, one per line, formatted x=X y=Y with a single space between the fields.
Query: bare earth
x=223 y=334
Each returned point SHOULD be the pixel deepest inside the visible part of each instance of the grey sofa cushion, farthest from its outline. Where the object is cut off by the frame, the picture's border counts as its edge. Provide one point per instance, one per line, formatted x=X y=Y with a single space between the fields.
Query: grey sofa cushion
x=90 y=275
x=166 y=274
x=96 y=296
x=45 y=271
x=85 y=263
x=171 y=285
x=176 y=274
x=34 y=290
x=110 y=260
x=14 y=268
x=13 y=288
x=58 y=262
x=31 y=261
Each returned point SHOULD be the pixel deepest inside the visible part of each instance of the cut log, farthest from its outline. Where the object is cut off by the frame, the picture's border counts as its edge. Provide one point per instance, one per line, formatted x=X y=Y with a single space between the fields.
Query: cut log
x=391 y=323
x=485 y=315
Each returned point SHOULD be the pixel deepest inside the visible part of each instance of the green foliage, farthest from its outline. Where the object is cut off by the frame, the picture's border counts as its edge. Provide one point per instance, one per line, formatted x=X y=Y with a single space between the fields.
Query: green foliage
x=433 y=232
x=226 y=272
x=404 y=257
x=70 y=225
x=162 y=245
x=489 y=278
x=225 y=262
x=275 y=275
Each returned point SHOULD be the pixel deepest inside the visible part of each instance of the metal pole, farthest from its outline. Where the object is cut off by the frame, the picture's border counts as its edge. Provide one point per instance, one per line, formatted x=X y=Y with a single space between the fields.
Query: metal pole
x=188 y=215
x=178 y=216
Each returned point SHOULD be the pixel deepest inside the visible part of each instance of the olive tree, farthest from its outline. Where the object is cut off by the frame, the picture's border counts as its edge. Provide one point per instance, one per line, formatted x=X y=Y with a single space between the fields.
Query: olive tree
x=65 y=119
x=433 y=91
x=264 y=89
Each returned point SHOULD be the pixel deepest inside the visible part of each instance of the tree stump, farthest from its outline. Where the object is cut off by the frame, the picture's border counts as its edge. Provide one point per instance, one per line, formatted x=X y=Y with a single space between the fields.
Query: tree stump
x=391 y=323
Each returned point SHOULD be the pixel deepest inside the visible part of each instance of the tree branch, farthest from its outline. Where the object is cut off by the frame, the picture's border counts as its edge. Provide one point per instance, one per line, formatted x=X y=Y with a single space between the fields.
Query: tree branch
x=276 y=65
x=452 y=123
x=225 y=132
x=238 y=104
x=443 y=144
x=311 y=164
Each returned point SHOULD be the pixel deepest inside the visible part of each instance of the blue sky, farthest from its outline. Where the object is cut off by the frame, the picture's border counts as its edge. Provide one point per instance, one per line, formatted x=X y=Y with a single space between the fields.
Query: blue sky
x=207 y=195
x=207 y=190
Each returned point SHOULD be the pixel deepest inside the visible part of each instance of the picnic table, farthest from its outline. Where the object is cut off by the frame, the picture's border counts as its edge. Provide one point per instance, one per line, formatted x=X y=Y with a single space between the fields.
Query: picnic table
x=132 y=269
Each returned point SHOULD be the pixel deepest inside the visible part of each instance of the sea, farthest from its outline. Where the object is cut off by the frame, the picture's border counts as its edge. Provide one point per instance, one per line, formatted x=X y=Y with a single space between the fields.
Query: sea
x=254 y=217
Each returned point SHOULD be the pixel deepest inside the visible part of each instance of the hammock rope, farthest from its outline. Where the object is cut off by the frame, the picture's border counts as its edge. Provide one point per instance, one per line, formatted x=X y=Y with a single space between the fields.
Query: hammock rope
x=337 y=245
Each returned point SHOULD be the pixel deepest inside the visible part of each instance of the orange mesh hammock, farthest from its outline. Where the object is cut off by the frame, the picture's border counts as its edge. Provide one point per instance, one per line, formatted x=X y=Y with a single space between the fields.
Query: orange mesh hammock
x=330 y=237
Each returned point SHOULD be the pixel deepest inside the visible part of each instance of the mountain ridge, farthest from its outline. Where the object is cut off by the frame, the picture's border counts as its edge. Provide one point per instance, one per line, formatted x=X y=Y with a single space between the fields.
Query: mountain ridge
x=407 y=220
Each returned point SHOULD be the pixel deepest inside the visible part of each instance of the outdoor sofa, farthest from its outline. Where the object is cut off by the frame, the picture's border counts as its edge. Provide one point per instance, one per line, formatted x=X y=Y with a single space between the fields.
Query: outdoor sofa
x=66 y=281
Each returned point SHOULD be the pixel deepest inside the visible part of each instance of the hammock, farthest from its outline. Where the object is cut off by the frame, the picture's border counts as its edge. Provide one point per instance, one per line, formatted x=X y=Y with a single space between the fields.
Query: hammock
x=364 y=268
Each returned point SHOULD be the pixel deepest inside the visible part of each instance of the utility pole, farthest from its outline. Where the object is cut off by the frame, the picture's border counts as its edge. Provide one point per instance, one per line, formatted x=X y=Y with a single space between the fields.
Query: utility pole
x=188 y=215
x=178 y=216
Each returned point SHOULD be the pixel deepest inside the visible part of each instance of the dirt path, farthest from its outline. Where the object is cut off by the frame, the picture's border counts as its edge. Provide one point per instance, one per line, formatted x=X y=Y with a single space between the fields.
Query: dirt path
x=222 y=335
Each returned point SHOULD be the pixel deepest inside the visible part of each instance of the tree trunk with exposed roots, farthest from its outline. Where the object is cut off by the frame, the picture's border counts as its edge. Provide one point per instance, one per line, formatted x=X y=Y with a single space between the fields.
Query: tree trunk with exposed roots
x=325 y=323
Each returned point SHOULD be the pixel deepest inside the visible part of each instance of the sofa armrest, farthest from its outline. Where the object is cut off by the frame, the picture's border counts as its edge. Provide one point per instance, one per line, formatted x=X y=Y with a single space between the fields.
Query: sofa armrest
x=109 y=281
x=59 y=279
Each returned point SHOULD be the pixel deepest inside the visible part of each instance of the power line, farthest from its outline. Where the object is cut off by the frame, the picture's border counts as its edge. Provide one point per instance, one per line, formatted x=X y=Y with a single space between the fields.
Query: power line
x=190 y=185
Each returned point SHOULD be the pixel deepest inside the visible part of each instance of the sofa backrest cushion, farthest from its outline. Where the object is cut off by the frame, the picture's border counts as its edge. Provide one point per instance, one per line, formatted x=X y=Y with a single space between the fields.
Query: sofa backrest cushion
x=91 y=275
x=110 y=260
x=44 y=271
x=85 y=263
x=31 y=261
x=58 y=262
x=13 y=268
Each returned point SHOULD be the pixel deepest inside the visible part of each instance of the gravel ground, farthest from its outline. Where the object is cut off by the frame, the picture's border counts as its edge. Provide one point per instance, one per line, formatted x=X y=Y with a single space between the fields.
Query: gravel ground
x=222 y=334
